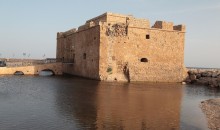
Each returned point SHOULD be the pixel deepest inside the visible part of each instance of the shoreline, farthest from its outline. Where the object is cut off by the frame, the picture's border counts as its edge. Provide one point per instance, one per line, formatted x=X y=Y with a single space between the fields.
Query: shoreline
x=211 y=109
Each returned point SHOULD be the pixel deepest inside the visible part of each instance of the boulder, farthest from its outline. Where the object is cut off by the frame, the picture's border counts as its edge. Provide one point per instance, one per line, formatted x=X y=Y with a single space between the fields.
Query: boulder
x=198 y=76
x=202 y=82
x=215 y=75
x=206 y=74
x=191 y=72
x=188 y=80
x=213 y=83
x=192 y=77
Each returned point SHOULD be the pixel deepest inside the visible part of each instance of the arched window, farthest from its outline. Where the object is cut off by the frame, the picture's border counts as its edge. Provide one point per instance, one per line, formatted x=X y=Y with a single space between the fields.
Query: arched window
x=144 y=60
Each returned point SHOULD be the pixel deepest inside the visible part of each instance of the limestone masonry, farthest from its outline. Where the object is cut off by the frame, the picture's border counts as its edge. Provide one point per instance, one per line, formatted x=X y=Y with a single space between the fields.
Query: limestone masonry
x=123 y=48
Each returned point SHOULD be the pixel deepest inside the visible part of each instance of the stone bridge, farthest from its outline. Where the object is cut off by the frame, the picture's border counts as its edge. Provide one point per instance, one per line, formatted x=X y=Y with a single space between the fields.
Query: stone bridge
x=56 y=68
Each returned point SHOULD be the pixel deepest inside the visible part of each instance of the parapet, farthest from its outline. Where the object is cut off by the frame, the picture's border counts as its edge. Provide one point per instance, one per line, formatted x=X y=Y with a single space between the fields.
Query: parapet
x=180 y=28
x=63 y=34
x=141 y=23
x=168 y=26
x=127 y=20
x=87 y=25
x=110 y=17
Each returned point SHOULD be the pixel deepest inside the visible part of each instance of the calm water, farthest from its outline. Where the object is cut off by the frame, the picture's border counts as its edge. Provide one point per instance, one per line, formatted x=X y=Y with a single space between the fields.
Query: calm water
x=68 y=103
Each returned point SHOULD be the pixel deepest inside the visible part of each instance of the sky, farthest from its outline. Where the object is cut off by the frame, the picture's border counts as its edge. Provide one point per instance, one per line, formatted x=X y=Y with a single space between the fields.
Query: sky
x=28 y=28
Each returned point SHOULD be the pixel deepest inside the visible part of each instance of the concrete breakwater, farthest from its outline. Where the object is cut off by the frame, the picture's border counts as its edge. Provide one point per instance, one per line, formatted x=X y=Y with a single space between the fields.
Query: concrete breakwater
x=208 y=77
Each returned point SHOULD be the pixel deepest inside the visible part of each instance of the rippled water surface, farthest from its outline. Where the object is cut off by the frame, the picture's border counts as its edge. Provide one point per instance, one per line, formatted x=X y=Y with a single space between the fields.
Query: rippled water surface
x=69 y=103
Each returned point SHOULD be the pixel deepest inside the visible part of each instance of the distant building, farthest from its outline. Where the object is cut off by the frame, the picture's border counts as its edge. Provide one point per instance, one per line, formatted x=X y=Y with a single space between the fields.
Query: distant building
x=123 y=48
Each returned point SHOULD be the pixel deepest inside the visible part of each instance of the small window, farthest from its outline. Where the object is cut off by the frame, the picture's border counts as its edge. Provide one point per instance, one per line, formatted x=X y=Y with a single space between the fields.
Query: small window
x=144 y=60
x=84 y=55
x=147 y=36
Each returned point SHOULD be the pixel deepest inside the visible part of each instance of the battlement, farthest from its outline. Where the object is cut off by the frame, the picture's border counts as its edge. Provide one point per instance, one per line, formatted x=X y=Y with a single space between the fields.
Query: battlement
x=63 y=34
x=128 y=20
x=131 y=21
x=168 y=26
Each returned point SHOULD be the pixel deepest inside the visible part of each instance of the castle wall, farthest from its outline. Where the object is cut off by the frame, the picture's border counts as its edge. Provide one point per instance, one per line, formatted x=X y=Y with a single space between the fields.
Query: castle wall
x=80 y=52
x=138 y=53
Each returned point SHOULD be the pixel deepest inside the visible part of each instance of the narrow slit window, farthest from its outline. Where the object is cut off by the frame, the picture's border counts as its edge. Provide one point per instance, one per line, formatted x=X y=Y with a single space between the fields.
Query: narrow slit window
x=84 y=56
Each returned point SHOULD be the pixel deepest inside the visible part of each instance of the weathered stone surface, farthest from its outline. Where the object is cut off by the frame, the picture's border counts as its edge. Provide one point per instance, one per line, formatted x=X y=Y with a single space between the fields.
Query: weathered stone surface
x=211 y=108
x=117 y=30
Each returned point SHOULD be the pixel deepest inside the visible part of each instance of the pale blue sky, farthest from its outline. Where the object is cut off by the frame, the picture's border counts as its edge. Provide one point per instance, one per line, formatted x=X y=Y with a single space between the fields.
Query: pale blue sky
x=30 y=26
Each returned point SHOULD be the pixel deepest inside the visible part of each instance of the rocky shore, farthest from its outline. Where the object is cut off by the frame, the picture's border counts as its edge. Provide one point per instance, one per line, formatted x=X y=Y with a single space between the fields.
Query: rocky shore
x=208 y=77
x=211 y=108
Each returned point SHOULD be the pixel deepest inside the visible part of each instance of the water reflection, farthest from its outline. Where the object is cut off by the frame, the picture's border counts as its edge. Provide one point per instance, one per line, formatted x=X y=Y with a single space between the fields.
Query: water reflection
x=138 y=106
x=46 y=73
x=104 y=105
x=35 y=102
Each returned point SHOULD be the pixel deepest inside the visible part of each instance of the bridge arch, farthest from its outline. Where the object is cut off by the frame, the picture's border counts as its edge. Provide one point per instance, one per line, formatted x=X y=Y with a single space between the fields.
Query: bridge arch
x=46 y=72
x=18 y=73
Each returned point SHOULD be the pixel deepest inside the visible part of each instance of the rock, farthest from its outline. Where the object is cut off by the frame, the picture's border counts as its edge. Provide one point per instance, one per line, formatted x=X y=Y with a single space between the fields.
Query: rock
x=204 y=77
x=215 y=75
x=213 y=83
x=202 y=82
x=188 y=81
x=190 y=72
x=183 y=83
x=192 y=77
x=198 y=76
x=206 y=74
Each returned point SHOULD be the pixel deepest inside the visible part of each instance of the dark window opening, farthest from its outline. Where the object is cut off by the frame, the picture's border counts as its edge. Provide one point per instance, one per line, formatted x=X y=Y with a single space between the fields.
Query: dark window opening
x=94 y=38
x=84 y=55
x=144 y=60
x=147 y=36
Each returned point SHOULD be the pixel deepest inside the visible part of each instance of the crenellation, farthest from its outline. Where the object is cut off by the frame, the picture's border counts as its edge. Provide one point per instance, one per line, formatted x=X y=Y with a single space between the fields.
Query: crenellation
x=59 y=34
x=163 y=25
x=179 y=28
x=64 y=34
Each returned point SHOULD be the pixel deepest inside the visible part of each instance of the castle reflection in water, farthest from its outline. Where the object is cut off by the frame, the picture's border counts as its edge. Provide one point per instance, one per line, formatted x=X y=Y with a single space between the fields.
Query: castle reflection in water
x=106 y=105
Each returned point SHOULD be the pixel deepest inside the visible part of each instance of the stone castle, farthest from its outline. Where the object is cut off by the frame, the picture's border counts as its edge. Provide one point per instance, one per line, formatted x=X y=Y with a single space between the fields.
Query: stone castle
x=117 y=47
